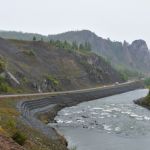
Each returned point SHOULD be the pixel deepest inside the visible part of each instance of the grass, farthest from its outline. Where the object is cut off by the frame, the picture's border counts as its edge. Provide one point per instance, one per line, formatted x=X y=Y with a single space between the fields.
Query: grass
x=6 y=88
x=2 y=65
x=28 y=52
x=20 y=138
x=12 y=126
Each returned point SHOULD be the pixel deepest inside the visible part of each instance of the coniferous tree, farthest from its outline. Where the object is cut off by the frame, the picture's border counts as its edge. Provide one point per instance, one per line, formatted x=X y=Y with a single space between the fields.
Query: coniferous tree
x=34 y=38
x=74 y=45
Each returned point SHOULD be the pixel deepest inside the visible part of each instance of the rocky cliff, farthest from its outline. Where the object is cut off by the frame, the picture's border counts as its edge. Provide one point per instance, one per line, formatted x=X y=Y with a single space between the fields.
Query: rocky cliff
x=134 y=56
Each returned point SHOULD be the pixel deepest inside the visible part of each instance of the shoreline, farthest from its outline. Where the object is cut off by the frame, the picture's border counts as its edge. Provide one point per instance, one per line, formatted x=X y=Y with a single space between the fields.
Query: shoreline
x=37 y=113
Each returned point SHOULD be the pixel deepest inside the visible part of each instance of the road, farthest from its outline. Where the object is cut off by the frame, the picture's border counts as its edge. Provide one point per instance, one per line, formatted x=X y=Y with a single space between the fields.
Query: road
x=65 y=92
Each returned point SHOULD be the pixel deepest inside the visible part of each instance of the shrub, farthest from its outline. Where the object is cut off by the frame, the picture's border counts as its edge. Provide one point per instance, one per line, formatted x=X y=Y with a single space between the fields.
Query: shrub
x=11 y=124
x=4 y=86
x=19 y=137
x=52 y=80
x=147 y=82
x=2 y=65
x=29 y=52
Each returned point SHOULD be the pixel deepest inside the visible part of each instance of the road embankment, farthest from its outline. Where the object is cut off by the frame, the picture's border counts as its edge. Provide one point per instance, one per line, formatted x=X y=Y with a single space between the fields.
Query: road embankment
x=45 y=109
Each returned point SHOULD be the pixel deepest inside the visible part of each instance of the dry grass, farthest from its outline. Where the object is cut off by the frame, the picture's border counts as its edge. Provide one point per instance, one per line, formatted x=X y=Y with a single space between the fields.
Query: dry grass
x=10 y=124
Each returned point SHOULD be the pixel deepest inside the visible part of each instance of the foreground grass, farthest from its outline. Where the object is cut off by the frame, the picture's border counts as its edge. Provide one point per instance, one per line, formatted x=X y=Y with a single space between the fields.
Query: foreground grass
x=12 y=126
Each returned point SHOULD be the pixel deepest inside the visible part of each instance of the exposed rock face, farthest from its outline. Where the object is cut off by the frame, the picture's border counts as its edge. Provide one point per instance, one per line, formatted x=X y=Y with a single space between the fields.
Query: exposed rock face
x=140 y=55
x=135 y=56
x=39 y=66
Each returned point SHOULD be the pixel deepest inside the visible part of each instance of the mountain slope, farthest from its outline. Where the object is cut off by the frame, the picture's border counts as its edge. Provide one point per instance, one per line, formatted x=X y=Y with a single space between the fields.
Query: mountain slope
x=134 y=57
x=40 y=66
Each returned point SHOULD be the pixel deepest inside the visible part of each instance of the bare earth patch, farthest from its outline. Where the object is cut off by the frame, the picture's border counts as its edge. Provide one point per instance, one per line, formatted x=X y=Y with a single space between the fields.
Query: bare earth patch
x=8 y=144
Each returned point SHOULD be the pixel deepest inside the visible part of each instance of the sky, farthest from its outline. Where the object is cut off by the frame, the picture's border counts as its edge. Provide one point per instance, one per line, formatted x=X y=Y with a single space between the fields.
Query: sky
x=118 y=20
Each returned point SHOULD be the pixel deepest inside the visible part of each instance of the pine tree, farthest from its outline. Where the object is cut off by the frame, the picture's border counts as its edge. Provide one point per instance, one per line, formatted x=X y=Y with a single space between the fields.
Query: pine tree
x=34 y=38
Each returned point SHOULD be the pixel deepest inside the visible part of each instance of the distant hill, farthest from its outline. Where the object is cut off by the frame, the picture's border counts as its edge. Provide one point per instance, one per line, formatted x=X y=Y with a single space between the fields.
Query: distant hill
x=134 y=57
x=21 y=36
x=40 y=66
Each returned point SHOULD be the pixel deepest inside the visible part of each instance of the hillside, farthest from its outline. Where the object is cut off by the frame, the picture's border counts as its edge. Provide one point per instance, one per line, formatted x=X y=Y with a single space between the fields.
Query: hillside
x=134 y=57
x=38 y=66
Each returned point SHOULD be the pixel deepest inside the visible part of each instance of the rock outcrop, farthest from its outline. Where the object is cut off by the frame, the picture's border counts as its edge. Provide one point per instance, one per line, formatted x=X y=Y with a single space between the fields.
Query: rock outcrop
x=135 y=56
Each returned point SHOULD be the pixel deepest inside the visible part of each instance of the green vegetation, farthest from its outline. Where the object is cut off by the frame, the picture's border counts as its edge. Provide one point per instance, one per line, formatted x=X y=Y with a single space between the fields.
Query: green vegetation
x=145 y=102
x=31 y=139
x=73 y=46
x=128 y=74
x=4 y=86
x=147 y=82
x=124 y=75
x=29 y=52
x=52 y=80
x=2 y=64
x=34 y=38
x=19 y=137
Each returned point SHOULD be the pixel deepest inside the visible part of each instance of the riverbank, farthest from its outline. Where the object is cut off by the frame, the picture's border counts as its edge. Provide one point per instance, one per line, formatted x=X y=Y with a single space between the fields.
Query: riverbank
x=110 y=123
x=72 y=99
x=144 y=102
x=36 y=113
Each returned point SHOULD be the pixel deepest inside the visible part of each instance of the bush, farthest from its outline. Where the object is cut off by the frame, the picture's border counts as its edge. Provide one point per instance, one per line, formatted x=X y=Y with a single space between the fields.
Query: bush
x=29 y=52
x=52 y=80
x=147 y=82
x=19 y=137
x=2 y=65
x=4 y=86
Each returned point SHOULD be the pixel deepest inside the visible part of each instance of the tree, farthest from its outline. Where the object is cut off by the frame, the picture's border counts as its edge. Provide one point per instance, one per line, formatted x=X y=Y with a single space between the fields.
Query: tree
x=87 y=46
x=66 y=45
x=51 y=42
x=81 y=47
x=34 y=38
x=74 y=45
x=58 y=44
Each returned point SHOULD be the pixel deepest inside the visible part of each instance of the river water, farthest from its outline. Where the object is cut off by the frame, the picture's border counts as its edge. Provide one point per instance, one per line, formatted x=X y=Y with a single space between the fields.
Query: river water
x=111 y=123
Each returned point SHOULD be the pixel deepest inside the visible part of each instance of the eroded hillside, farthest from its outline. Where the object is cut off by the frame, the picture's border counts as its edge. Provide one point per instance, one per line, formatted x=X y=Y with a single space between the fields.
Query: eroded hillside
x=40 y=66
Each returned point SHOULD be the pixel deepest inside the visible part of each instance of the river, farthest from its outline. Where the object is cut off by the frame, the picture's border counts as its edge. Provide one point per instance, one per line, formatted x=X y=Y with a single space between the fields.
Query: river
x=111 y=123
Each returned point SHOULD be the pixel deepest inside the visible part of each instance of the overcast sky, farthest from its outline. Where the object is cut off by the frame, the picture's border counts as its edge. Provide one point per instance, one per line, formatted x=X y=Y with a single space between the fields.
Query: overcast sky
x=116 y=19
